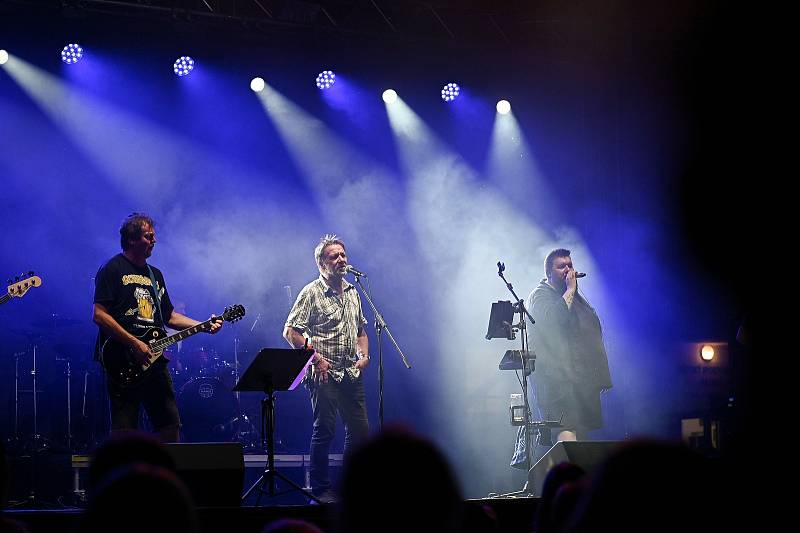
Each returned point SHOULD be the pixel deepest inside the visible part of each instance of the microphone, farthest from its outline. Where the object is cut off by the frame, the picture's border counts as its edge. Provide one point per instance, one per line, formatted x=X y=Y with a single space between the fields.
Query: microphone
x=580 y=274
x=349 y=268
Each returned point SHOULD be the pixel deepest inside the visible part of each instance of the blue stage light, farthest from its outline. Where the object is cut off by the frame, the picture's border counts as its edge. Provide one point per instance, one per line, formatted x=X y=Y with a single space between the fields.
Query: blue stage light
x=71 y=53
x=326 y=79
x=183 y=65
x=450 y=92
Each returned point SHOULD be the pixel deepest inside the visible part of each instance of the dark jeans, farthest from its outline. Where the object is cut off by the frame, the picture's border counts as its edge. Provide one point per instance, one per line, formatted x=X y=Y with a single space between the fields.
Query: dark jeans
x=156 y=394
x=348 y=400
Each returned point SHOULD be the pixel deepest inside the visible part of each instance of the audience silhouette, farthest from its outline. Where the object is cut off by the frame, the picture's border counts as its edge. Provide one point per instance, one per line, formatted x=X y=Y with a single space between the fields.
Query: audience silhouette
x=558 y=476
x=137 y=498
x=398 y=481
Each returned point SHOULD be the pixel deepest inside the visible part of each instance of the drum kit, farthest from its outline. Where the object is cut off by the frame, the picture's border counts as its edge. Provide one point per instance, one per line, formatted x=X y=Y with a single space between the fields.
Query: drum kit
x=210 y=410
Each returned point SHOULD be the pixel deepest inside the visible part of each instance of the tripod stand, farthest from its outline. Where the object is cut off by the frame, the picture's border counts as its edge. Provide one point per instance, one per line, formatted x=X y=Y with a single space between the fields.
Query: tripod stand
x=37 y=443
x=273 y=370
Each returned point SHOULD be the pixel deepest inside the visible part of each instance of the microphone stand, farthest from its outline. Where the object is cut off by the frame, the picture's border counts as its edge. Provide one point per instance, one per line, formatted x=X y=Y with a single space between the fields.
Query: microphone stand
x=523 y=312
x=380 y=325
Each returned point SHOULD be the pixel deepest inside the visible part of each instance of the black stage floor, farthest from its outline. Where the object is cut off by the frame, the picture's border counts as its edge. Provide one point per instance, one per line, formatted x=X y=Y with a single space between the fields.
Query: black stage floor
x=58 y=481
x=512 y=515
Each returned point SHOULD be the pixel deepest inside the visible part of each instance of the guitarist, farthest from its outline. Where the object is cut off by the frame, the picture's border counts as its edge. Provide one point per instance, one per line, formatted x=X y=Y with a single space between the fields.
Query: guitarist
x=125 y=306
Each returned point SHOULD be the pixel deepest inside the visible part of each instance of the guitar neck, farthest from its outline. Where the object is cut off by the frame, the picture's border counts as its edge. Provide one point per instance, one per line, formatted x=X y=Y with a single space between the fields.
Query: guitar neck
x=4 y=298
x=162 y=344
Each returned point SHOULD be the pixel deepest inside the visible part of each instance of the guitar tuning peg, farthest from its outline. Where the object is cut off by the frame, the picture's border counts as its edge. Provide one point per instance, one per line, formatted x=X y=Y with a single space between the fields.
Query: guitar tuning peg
x=30 y=272
x=16 y=278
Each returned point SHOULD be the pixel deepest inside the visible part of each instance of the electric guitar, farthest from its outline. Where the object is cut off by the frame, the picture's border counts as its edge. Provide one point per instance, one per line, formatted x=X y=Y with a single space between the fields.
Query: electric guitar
x=123 y=369
x=19 y=288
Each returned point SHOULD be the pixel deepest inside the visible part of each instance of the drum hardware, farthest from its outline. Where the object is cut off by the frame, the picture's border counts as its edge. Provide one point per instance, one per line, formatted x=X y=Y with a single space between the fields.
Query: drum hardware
x=243 y=428
x=68 y=371
x=202 y=401
x=37 y=442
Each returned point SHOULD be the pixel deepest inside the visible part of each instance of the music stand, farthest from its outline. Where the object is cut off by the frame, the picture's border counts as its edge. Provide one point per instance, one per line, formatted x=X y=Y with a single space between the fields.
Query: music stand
x=273 y=369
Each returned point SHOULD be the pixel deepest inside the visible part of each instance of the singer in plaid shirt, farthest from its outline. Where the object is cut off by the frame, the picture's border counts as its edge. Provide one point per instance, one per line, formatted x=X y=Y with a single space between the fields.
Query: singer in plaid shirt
x=328 y=313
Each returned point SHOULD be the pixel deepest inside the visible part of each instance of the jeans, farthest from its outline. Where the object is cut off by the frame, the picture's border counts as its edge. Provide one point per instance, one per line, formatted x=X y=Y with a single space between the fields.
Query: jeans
x=327 y=399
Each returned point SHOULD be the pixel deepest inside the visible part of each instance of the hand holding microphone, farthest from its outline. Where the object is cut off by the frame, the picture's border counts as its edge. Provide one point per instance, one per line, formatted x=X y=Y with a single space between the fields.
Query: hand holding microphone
x=572 y=279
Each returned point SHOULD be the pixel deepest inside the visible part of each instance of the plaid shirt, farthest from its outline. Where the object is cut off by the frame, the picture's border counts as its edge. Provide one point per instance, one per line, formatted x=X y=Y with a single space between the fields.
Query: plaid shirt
x=332 y=323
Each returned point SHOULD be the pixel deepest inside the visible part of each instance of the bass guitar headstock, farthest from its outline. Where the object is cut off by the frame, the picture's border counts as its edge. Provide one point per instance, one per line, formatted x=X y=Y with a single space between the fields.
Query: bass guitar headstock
x=19 y=287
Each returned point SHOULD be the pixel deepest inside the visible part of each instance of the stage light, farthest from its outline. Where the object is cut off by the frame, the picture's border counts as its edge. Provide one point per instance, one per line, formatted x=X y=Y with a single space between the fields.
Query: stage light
x=389 y=96
x=326 y=79
x=707 y=352
x=257 y=84
x=3 y=57
x=450 y=92
x=503 y=107
x=183 y=66
x=71 y=53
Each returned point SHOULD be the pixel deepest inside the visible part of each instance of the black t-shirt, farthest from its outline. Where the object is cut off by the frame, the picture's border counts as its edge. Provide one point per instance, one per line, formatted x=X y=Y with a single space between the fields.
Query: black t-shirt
x=125 y=290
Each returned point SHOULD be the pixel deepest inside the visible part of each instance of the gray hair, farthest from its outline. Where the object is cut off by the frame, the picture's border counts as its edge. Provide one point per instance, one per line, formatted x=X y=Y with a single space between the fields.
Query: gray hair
x=325 y=241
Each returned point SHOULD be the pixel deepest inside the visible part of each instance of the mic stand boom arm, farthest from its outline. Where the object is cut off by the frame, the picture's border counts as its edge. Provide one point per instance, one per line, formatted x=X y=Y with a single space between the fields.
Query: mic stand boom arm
x=380 y=325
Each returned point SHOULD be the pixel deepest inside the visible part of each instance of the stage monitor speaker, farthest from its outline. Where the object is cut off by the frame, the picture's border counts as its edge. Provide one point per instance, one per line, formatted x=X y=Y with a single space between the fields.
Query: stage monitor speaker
x=213 y=471
x=586 y=454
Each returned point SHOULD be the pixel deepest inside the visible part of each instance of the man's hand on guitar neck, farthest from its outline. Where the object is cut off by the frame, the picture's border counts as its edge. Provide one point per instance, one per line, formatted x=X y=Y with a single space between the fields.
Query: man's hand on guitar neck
x=216 y=324
x=178 y=322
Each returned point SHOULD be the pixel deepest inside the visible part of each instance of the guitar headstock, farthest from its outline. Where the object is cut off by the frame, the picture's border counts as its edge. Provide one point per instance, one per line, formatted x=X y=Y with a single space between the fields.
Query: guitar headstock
x=20 y=287
x=233 y=313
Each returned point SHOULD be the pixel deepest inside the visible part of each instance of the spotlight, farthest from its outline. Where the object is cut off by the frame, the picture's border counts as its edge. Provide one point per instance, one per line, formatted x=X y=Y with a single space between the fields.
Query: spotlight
x=450 y=92
x=503 y=107
x=257 y=84
x=707 y=352
x=183 y=66
x=326 y=79
x=71 y=54
x=3 y=57
x=389 y=96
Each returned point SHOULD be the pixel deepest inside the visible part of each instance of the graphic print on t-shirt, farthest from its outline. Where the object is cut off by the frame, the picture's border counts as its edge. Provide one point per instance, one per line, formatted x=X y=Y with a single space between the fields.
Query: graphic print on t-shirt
x=144 y=301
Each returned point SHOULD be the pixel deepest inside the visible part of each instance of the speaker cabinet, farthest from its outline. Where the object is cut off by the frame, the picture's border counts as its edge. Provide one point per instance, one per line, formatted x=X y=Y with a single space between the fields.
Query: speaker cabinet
x=586 y=454
x=213 y=471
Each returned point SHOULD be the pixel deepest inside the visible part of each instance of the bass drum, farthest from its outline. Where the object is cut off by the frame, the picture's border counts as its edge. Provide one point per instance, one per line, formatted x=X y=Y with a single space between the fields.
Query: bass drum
x=207 y=409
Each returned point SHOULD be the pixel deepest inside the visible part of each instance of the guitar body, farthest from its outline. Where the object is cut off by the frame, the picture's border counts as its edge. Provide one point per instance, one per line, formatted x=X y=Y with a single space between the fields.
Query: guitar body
x=123 y=370
x=120 y=365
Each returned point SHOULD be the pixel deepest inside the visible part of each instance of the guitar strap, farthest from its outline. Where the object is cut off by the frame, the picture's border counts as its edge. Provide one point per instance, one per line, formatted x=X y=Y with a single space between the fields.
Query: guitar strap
x=155 y=293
